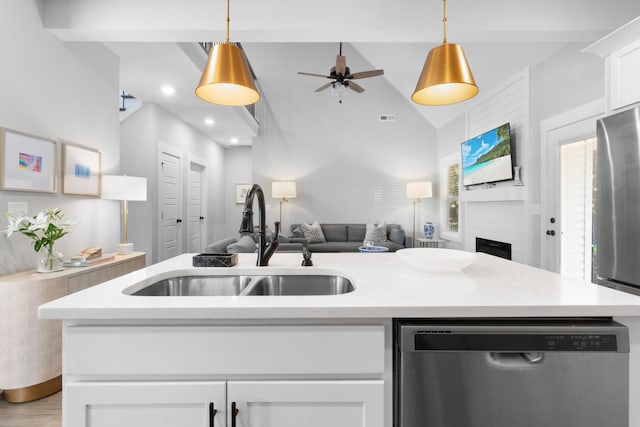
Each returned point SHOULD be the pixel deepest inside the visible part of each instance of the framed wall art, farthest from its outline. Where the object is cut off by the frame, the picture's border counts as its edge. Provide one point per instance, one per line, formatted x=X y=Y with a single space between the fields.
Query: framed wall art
x=80 y=170
x=241 y=192
x=27 y=162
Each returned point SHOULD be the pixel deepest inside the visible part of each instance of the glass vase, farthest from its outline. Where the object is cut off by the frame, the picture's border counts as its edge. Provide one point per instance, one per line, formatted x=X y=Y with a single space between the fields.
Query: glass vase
x=49 y=260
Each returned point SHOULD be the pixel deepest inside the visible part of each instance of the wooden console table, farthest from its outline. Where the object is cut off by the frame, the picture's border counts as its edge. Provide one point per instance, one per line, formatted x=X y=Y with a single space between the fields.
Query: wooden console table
x=30 y=348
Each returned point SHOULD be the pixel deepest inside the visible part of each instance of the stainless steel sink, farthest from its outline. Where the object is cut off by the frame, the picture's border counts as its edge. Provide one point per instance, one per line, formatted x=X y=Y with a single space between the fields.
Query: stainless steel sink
x=247 y=285
x=299 y=285
x=196 y=286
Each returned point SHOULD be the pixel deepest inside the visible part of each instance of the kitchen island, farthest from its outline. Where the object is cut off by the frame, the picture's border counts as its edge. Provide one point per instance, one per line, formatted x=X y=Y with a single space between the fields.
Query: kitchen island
x=222 y=360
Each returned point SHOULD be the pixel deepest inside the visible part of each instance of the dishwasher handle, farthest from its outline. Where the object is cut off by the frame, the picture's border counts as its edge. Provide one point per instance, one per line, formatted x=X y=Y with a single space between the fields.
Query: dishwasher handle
x=514 y=360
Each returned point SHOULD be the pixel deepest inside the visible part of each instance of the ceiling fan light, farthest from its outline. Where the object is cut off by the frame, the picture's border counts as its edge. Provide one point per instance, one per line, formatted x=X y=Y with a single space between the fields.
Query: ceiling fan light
x=446 y=77
x=227 y=79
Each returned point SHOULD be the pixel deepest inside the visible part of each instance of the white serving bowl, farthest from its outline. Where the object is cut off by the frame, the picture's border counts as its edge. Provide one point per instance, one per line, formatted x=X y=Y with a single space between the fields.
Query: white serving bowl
x=436 y=259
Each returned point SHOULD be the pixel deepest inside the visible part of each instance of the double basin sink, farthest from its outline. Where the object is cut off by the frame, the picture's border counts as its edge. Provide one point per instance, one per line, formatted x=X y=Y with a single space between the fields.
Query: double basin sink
x=247 y=285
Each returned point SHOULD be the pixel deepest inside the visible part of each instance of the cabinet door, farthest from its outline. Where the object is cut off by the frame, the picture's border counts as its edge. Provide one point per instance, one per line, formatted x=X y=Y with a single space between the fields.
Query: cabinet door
x=306 y=403
x=144 y=404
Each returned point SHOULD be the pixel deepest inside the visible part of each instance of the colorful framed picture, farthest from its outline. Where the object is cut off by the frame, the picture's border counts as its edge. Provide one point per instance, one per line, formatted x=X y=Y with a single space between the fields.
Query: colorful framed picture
x=241 y=193
x=80 y=170
x=27 y=162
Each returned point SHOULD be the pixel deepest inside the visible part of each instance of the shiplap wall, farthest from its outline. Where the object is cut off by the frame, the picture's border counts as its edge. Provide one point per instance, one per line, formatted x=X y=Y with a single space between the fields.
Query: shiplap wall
x=498 y=215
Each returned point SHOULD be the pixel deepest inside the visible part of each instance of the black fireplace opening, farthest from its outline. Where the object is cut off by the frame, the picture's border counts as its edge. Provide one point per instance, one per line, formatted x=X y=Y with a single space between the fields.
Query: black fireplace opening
x=493 y=247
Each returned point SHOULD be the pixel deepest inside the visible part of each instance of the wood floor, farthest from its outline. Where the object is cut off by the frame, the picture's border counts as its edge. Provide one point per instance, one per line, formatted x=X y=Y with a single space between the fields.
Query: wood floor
x=46 y=412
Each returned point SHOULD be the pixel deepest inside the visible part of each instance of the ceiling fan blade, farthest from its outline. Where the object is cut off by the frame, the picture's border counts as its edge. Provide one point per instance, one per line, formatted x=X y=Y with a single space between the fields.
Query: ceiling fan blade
x=314 y=75
x=355 y=87
x=341 y=64
x=365 y=74
x=323 y=87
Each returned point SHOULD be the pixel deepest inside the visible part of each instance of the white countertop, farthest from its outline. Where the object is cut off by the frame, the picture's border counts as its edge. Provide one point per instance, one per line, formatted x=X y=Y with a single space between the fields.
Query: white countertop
x=385 y=288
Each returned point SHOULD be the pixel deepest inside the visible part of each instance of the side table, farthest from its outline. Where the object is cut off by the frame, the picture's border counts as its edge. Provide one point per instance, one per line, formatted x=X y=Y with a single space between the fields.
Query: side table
x=422 y=242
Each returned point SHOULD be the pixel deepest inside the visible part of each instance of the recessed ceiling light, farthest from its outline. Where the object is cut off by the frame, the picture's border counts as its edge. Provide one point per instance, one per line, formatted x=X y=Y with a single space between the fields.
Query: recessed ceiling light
x=234 y=140
x=209 y=121
x=168 y=90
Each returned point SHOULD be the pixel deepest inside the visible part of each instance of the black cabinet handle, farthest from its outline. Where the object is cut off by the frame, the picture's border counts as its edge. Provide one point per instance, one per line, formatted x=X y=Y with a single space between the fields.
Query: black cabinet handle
x=234 y=413
x=178 y=220
x=212 y=413
x=551 y=233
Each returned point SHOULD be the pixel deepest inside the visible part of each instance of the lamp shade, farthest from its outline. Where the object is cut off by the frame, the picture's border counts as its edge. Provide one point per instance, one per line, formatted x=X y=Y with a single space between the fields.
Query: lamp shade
x=122 y=187
x=446 y=77
x=227 y=79
x=283 y=189
x=419 y=190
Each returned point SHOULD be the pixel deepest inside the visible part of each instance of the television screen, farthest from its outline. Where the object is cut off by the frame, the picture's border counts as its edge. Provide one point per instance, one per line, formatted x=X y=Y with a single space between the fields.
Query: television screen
x=487 y=157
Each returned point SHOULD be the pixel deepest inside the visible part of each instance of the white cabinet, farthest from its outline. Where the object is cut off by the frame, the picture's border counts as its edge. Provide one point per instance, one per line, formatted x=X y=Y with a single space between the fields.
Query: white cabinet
x=144 y=404
x=307 y=403
x=210 y=404
x=274 y=375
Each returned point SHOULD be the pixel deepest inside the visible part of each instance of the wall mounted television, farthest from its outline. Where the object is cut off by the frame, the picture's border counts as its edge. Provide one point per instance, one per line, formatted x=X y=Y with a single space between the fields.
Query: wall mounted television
x=487 y=158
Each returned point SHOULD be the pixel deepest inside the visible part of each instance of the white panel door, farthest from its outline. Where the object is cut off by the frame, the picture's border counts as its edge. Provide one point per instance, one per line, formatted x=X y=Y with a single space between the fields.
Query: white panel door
x=169 y=200
x=145 y=404
x=306 y=403
x=571 y=126
x=195 y=208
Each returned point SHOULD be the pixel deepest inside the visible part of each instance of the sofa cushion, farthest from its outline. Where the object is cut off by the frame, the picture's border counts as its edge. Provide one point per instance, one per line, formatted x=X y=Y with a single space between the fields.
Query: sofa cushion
x=245 y=244
x=396 y=234
x=334 y=232
x=219 y=246
x=335 y=247
x=313 y=232
x=376 y=233
x=356 y=232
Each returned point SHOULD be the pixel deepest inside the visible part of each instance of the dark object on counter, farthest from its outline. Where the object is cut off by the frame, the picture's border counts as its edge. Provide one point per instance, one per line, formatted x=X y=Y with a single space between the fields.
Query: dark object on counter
x=215 y=260
x=306 y=258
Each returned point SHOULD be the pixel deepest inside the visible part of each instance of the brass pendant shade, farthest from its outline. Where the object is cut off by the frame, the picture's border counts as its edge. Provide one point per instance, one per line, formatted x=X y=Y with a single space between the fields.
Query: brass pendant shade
x=446 y=77
x=227 y=79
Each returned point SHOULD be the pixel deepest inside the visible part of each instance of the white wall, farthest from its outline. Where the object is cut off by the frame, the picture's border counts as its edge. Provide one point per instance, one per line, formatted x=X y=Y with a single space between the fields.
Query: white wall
x=238 y=170
x=61 y=91
x=348 y=166
x=140 y=135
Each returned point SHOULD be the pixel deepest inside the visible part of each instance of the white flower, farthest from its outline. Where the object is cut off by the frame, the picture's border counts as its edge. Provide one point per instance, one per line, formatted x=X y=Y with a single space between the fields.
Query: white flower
x=14 y=224
x=40 y=222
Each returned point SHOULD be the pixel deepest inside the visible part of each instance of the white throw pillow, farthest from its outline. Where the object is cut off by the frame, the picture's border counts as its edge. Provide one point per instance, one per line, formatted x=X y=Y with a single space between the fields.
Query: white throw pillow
x=313 y=233
x=376 y=233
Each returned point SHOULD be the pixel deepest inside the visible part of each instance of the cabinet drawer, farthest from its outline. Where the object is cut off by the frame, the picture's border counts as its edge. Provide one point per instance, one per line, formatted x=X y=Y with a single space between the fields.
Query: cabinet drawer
x=341 y=350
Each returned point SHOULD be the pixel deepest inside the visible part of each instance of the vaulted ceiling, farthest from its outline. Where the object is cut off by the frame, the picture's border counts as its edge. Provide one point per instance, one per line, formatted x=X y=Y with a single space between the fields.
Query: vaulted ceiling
x=154 y=40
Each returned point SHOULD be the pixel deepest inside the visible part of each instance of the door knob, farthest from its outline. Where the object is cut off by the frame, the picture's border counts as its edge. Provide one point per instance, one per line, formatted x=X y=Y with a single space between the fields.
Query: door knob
x=551 y=233
x=201 y=218
x=178 y=220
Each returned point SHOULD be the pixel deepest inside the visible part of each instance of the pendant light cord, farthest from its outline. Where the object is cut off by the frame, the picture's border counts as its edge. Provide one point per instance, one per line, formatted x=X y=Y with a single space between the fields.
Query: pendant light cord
x=444 y=21
x=228 y=20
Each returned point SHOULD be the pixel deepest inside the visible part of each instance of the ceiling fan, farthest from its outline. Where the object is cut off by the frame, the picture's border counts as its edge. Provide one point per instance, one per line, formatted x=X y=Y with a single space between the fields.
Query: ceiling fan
x=342 y=76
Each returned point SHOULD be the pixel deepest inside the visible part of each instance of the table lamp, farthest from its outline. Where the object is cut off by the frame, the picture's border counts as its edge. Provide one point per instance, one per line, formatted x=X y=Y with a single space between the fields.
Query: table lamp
x=283 y=190
x=124 y=188
x=418 y=191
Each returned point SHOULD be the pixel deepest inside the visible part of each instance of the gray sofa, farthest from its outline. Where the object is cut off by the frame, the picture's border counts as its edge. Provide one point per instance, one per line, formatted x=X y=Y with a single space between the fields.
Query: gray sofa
x=247 y=244
x=348 y=237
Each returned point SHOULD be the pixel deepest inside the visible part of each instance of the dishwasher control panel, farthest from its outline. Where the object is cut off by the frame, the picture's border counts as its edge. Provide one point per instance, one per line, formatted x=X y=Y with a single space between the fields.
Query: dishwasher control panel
x=460 y=341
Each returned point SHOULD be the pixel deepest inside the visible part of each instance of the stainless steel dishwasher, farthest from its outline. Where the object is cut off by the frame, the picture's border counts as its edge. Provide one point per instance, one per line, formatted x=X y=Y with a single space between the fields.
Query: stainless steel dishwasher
x=509 y=373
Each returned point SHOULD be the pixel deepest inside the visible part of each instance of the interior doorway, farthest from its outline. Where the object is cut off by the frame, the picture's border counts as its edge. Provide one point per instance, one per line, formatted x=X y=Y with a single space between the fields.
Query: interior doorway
x=196 y=207
x=169 y=202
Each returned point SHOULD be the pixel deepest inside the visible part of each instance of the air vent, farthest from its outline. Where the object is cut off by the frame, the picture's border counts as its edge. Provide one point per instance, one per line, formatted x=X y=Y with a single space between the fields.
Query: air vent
x=387 y=117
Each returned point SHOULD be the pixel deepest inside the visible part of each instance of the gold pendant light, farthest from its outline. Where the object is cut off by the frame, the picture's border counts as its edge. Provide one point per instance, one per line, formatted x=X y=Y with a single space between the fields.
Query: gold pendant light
x=446 y=77
x=227 y=79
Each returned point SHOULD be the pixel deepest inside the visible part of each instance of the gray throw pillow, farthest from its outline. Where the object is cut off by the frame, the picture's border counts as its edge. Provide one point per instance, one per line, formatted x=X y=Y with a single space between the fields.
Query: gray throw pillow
x=376 y=233
x=313 y=232
x=244 y=245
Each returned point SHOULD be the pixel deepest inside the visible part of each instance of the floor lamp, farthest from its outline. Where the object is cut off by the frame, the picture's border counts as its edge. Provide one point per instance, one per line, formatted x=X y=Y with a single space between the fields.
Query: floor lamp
x=418 y=191
x=283 y=190
x=124 y=188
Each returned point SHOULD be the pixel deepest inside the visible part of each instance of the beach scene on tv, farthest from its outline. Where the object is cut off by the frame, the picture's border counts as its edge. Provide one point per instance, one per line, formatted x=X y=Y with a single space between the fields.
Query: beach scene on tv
x=487 y=158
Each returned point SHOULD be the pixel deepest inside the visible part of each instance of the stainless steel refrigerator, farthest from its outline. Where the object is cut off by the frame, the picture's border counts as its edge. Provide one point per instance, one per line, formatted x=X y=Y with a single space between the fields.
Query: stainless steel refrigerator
x=618 y=201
